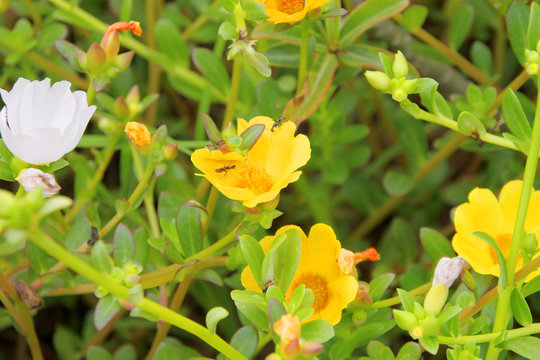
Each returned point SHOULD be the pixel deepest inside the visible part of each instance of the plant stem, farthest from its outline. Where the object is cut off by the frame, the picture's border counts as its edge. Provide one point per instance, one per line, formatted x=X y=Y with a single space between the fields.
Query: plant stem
x=511 y=334
x=450 y=54
x=22 y=315
x=396 y=300
x=501 y=315
x=105 y=281
x=36 y=17
x=85 y=195
x=91 y=92
x=304 y=47
x=135 y=195
x=233 y=93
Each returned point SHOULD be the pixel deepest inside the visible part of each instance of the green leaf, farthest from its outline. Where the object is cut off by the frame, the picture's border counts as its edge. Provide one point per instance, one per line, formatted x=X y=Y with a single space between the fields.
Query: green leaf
x=378 y=286
x=517 y=19
x=317 y=85
x=212 y=68
x=170 y=42
x=106 y=308
x=435 y=244
x=188 y=227
x=319 y=331
x=246 y=340
x=172 y=349
x=97 y=353
x=397 y=183
x=502 y=260
x=360 y=55
x=533 y=31
x=366 y=15
x=414 y=17
x=406 y=300
x=469 y=125
x=460 y=26
x=253 y=306
x=141 y=246
x=38 y=257
x=520 y=308
x=4 y=152
x=531 y=287
x=360 y=337
x=430 y=343
x=214 y=316
x=297 y=298
x=6 y=173
x=448 y=313
x=409 y=351
x=276 y=293
x=275 y=311
x=526 y=346
x=255 y=11
x=69 y=52
x=124 y=245
x=100 y=258
x=228 y=4
x=125 y=352
x=227 y=31
x=515 y=118
x=281 y=260
x=258 y=61
x=481 y=57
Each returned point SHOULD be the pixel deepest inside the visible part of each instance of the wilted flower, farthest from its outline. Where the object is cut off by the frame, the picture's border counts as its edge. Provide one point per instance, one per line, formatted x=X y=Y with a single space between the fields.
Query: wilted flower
x=290 y=11
x=288 y=328
x=270 y=165
x=447 y=271
x=32 y=178
x=138 y=133
x=495 y=217
x=40 y=123
x=317 y=270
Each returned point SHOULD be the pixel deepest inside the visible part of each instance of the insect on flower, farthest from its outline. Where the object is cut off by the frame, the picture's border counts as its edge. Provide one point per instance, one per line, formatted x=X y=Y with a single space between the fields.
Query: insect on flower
x=225 y=169
x=277 y=123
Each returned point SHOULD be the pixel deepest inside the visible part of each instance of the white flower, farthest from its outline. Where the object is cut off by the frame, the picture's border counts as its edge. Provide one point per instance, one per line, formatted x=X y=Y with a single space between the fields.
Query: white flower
x=40 y=123
x=31 y=178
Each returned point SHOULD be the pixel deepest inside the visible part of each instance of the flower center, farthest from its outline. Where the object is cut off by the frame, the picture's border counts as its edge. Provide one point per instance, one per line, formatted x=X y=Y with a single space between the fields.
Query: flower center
x=504 y=241
x=290 y=6
x=256 y=179
x=318 y=285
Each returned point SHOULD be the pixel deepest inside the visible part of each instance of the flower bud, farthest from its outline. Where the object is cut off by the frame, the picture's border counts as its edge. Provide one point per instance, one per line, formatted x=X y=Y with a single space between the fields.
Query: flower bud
x=32 y=178
x=416 y=332
x=100 y=291
x=531 y=56
x=363 y=298
x=122 y=62
x=400 y=67
x=359 y=317
x=95 y=58
x=431 y=326
x=378 y=79
x=399 y=94
x=311 y=348
x=170 y=151
x=448 y=270
x=529 y=243
x=404 y=319
x=133 y=95
x=288 y=328
x=139 y=135
x=435 y=299
x=345 y=261
x=531 y=68
x=121 y=108
x=117 y=274
x=111 y=44
x=290 y=350
x=409 y=86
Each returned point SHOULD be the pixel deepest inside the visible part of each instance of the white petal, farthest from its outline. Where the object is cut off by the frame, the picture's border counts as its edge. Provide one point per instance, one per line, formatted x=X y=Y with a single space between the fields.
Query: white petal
x=82 y=116
x=41 y=146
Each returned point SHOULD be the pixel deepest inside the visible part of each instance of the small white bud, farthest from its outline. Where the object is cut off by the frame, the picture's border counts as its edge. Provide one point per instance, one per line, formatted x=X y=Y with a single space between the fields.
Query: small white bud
x=447 y=271
x=31 y=178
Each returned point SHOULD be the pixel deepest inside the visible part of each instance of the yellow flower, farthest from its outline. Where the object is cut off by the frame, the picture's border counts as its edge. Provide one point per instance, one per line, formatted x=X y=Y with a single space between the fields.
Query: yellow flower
x=269 y=166
x=318 y=270
x=138 y=133
x=290 y=11
x=495 y=217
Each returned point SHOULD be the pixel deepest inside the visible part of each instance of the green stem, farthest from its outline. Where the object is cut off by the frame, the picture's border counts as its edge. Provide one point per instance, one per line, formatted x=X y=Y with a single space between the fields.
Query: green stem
x=105 y=281
x=85 y=195
x=304 y=47
x=501 y=315
x=233 y=93
x=511 y=334
x=135 y=195
x=91 y=92
x=396 y=299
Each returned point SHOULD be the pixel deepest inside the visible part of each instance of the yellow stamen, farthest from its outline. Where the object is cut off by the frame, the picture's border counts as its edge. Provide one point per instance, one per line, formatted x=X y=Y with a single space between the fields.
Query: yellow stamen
x=256 y=179
x=138 y=133
x=291 y=6
x=318 y=285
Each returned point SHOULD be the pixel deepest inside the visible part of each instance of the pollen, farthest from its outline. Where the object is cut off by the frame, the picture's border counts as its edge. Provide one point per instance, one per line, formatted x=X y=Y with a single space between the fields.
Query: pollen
x=256 y=179
x=291 y=6
x=138 y=133
x=318 y=285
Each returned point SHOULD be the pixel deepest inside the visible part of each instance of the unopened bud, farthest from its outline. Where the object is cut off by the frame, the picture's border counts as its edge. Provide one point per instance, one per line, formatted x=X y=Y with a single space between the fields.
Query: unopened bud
x=416 y=332
x=95 y=58
x=405 y=320
x=529 y=243
x=122 y=62
x=111 y=44
x=311 y=348
x=290 y=350
x=531 y=56
x=400 y=67
x=121 y=108
x=399 y=94
x=363 y=298
x=133 y=95
x=435 y=299
x=170 y=151
x=531 y=68
x=359 y=317
x=378 y=79
x=32 y=178
x=117 y=274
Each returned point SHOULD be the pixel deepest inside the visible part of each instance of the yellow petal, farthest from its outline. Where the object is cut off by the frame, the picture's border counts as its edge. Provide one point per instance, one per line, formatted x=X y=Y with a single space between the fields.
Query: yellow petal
x=476 y=251
x=325 y=250
x=481 y=213
x=342 y=291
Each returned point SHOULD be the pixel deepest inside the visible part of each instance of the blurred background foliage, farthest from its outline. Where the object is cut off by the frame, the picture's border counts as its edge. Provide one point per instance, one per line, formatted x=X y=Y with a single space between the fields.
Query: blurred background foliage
x=376 y=175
